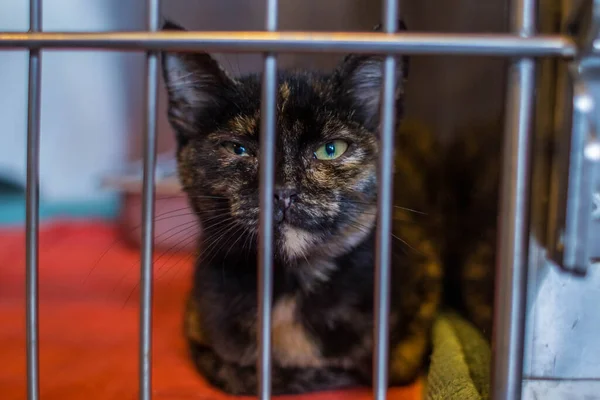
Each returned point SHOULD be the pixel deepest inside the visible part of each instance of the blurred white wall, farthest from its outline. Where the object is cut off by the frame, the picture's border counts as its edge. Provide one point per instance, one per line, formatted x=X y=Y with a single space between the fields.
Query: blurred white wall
x=90 y=100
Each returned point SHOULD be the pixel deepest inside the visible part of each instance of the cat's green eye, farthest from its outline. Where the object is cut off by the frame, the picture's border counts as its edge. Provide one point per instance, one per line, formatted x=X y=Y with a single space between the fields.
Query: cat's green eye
x=331 y=150
x=236 y=148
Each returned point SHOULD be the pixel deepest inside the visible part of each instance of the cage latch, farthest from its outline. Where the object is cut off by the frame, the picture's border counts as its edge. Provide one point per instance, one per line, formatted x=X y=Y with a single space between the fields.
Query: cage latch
x=578 y=241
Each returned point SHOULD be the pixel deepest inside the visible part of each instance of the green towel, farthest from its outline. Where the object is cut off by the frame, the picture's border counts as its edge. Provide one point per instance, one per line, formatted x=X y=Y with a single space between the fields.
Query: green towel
x=460 y=361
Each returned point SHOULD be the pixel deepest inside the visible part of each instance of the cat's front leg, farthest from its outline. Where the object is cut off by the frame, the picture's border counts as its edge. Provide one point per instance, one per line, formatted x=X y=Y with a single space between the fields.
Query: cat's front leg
x=408 y=358
x=408 y=355
x=225 y=376
x=242 y=380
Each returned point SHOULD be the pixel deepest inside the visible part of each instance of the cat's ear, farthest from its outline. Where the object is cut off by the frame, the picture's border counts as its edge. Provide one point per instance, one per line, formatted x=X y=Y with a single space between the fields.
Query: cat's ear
x=195 y=83
x=401 y=26
x=359 y=79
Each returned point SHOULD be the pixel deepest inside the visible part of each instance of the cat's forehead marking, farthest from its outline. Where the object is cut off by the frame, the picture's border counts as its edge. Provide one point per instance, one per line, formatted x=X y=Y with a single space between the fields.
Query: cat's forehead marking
x=284 y=94
x=245 y=125
x=289 y=147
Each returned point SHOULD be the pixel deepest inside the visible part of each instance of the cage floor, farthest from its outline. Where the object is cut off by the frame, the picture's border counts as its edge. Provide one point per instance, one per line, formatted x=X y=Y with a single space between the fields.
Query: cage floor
x=89 y=318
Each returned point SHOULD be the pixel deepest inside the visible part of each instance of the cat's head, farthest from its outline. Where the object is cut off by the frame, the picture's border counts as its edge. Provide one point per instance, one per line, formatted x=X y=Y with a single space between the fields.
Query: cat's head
x=326 y=151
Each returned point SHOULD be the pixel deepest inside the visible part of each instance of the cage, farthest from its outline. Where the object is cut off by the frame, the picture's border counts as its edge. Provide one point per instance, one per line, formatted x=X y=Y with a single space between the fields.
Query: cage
x=536 y=73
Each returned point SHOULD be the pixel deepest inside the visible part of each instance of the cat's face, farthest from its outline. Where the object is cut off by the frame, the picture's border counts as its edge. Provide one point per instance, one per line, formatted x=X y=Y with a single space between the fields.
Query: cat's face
x=326 y=153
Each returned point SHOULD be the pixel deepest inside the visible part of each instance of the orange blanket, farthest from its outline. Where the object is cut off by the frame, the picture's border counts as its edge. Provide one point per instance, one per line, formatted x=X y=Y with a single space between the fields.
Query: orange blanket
x=89 y=320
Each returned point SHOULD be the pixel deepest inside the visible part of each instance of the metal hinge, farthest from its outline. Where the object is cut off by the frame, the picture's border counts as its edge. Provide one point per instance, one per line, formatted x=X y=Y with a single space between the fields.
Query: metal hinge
x=577 y=240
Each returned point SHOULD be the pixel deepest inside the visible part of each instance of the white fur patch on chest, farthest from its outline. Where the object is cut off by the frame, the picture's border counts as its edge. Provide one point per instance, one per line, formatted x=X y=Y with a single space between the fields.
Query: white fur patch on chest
x=292 y=345
x=297 y=242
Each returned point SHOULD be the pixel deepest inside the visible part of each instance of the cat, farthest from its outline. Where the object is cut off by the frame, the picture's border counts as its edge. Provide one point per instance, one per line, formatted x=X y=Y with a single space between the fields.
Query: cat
x=327 y=149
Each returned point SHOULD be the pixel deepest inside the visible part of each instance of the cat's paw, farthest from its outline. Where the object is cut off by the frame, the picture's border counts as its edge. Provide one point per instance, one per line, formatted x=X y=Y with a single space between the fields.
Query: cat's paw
x=225 y=376
x=407 y=360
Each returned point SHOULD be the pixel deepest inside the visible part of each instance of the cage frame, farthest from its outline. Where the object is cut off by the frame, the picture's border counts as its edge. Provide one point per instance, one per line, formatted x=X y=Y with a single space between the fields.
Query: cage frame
x=522 y=44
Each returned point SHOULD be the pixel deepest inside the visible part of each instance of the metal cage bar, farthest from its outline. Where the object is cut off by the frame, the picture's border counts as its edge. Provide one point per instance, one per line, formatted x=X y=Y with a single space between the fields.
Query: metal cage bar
x=511 y=284
x=32 y=206
x=303 y=42
x=146 y=255
x=268 y=118
x=385 y=199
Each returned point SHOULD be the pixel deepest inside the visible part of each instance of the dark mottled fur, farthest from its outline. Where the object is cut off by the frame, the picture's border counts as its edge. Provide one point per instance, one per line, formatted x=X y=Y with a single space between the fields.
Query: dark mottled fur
x=470 y=207
x=324 y=247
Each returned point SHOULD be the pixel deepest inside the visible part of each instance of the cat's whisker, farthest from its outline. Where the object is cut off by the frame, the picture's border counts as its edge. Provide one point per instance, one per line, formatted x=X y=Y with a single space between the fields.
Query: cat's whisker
x=214 y=246
x=186 y=241
x=367 y=229
x=121 y=240
x=248 y=240
x=231 y=235
x=253 y=240
x=192 y=223
x=100 y=259
x=395 y=219
x=182 y=245
x=178 y=246
x=162 y=254
x=173 y=250
x=170 y=211
x=228 y=235
x=157 y=218
x=215 y=236
x=186 y=196
x=359 y=227
x=137 y=284
x=185 y=260
x=220 y=213
x=239 y=236
x=410 y=210
x=187 y=214
x=405 y=242
x=374 y=204
x=212 y=218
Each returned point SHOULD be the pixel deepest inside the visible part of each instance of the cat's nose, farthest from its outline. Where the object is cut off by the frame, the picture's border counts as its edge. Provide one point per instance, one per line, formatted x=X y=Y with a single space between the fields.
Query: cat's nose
x=284 y=197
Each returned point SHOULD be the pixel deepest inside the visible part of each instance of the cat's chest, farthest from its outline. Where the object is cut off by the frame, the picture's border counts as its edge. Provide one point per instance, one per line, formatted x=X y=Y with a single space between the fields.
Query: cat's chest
x=311 y=332
x=293 y=343
x=324 y=322
x=321 y=315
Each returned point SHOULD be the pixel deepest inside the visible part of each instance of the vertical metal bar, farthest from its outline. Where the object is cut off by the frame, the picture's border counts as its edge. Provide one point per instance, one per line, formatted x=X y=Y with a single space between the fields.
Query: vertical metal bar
x=146 y=273
x=511 y=282
x=32 y=205
x=265 y=245
x=384 y=200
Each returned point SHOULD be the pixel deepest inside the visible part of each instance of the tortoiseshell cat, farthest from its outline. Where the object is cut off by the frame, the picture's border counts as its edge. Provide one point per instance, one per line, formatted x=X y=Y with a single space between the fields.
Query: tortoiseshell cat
x=325 y=216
